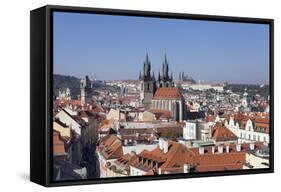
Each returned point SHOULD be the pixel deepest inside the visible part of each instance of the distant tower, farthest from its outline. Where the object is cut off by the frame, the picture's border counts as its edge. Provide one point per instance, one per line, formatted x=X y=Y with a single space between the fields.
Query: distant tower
x=165 y=80
x=65 y=94
x=245 y=99
x=85 y=87
x=68 y=94
x=148 y=84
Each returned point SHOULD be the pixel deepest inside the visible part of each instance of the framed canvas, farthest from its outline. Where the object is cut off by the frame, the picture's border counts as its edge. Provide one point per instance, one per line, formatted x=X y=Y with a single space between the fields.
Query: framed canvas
x=122 y=95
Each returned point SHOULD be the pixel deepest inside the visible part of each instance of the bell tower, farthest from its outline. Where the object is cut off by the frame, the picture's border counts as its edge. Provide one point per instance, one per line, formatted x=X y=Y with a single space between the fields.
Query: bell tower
x=148 y=84
x=165 y=80
x=85 y=88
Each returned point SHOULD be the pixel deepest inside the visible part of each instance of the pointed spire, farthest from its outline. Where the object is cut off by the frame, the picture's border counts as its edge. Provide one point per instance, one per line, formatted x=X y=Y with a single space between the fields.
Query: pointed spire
x=165 y=58
x=140 y=76
x=165 y=67
x=159 y=77
x=146 y=66
x=146 y=57
x=153 y=76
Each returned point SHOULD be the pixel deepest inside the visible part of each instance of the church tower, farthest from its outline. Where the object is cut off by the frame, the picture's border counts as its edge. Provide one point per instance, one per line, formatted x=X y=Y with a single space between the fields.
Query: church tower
x=85 y=88
x=165 y=80
x=148 y=84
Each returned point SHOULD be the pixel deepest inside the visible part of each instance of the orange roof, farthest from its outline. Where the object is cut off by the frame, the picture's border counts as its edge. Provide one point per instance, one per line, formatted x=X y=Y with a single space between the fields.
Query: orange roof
x=221 y=133
x=110 y=147
x=178 y=155
x=167 y=93
x=126 y=160
x=160 y=113
x=261 y=120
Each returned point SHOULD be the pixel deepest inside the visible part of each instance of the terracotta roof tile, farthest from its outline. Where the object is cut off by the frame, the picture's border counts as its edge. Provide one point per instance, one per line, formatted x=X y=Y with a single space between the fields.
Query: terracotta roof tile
x=160 y=113
x=221 y=133
x=167 y=93
x=111 y=147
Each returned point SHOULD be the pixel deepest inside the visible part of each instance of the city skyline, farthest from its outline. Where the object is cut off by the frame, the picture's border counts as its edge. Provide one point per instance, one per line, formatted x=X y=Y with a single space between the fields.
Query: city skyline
x=84 y=44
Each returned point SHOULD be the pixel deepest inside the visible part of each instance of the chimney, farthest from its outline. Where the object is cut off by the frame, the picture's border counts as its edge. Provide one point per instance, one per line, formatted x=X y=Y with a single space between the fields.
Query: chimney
x=159 y=171
x=213 y=149
x=252 y=146
x=238 y=147
x=186 y=168
x=201 y=150
x=182 y=142
x=227 y=148
x=165 y=146
x=125 y=142
x=160 y=143
x=220 y=149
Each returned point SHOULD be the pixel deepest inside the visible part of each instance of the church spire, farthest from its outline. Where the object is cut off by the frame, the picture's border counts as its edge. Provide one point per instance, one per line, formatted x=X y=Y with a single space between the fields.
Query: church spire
x=146 y=57
x=140 y=77
x=146 y=66
x=165 y=67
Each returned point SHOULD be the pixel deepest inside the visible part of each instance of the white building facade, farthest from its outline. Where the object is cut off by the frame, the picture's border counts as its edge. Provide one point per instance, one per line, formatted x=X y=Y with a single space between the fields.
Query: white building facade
x=248 y=134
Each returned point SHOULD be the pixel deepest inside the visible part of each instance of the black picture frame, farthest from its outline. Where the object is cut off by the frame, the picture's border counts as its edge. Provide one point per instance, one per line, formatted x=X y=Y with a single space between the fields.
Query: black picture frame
x=41 y=71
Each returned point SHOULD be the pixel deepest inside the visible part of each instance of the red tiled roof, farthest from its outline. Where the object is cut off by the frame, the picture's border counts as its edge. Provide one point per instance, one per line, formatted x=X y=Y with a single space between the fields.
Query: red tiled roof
x=178 y=155
x=110 y=147
x=221 y=133
x=167 y=93
x=160 y=113
x=126 y=160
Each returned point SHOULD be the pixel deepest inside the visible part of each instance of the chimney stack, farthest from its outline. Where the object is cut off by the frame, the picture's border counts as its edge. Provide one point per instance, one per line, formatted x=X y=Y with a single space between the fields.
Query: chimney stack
x=165 y=146
x=252 y=146
x=160 y=143
x=220 y=149
x=201 y=150
x=227 y=148
x=238 y=147
x=213 y=149
x=186 y=168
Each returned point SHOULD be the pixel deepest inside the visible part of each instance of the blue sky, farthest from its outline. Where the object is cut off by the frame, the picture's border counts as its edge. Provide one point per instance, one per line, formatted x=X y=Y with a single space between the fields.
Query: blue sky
x=114 y=47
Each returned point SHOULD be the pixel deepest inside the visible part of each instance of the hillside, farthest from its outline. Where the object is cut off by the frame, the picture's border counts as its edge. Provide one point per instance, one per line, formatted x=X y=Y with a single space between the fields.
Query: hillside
x=63 y=81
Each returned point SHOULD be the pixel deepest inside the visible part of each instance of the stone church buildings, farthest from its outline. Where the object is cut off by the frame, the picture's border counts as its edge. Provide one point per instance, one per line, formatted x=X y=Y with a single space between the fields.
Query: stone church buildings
x=160 y=93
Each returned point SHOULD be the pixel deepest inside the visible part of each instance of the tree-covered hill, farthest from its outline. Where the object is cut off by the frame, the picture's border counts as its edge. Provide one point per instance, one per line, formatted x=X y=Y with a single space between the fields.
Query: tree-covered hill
x=63 y=81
